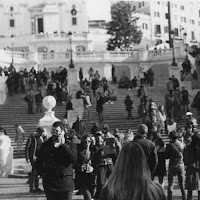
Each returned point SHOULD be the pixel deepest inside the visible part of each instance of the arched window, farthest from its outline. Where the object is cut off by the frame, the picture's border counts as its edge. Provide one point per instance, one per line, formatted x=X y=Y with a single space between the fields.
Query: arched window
x=80 y=48
x=11 y=9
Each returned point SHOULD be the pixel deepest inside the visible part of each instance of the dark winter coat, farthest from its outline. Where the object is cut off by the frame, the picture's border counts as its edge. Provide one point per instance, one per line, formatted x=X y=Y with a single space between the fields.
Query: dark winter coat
x=55 y=165
x=149 y=150
x=100 y=102
x=129 y=104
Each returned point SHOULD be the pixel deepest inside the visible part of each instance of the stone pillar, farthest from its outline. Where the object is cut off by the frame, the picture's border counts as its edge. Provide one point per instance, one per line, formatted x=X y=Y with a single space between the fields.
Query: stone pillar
x=73 y=85
x=47 y=121
x=108 y=72
x=6 y=156
x=3 y=89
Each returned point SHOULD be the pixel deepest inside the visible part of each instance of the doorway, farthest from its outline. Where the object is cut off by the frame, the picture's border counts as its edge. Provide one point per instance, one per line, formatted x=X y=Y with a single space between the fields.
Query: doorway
x=40 y=25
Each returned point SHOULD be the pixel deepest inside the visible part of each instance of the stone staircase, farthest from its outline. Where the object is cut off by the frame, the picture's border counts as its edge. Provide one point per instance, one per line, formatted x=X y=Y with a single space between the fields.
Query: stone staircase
x=115 y=115
x=15 y=111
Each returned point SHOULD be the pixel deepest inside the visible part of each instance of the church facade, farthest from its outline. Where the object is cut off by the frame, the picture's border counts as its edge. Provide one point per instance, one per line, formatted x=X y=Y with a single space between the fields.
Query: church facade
x=44 y=25
x=23 y=17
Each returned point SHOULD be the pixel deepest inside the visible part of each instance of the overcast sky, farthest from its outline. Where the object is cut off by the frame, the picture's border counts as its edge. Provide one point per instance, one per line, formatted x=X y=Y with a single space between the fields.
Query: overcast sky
x=98 y=9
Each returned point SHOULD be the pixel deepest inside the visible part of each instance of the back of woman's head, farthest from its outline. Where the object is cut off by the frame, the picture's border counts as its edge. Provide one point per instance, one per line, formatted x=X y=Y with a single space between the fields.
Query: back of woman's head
x=128 y=97
x=130 y=174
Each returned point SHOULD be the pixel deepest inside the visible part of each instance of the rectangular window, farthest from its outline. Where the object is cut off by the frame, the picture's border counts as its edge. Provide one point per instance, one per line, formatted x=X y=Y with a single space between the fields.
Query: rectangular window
x=176 y=32
x=12 y=23
x=74 y=21
x=191 y=21
x=143 y=3
x=157 y=29
x=133 y=8
x=183 y=19
x=139 y=5
x=192 y=35
x=145 y=26
x=166 y=15
x=156 y=14
x=158 y=2
x=166 y=29
x=182 y=7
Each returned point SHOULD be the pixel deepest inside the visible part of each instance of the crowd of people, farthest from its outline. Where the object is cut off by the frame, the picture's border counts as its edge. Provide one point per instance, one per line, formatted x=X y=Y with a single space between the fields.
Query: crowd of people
x=106 y=164
x=113 y=164
x=101 y=164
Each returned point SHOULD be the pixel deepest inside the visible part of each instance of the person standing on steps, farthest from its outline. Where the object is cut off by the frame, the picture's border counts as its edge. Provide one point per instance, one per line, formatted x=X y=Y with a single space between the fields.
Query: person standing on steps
x=38 y=101
x=33 y=145
x=55 y=164
x=79 y=127
x=19 y=138
x=81 y=76
x=99 y=106
x=129 y=106
x=29 y=98
x=174 y=152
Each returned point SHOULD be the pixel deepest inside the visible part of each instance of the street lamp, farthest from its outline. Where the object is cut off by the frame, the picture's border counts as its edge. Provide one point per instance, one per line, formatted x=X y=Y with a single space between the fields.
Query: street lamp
x=71 y=65
x=12 y=39
x=173 y=36
x=186 y=45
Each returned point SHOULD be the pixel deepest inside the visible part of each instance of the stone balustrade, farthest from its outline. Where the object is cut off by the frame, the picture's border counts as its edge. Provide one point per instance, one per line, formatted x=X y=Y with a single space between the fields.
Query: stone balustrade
x=89 y=56
x=57 y=36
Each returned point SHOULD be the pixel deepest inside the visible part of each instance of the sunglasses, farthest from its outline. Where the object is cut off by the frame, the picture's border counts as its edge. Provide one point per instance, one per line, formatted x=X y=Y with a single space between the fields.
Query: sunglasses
x=87 y=141
x=55 y=132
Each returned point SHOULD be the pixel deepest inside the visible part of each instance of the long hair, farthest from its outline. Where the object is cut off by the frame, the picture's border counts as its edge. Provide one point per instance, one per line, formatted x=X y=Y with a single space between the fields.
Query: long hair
x=130 y=178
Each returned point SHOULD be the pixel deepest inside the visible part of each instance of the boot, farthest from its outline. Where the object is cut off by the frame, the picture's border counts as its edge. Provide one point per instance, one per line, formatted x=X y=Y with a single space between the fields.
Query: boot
x=169 y=195
x=198 y=195
x=189 y=195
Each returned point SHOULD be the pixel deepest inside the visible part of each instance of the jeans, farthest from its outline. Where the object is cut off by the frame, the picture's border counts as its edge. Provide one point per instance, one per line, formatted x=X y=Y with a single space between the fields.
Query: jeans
x=179 y=171
x=103 y=172
x=52 y=195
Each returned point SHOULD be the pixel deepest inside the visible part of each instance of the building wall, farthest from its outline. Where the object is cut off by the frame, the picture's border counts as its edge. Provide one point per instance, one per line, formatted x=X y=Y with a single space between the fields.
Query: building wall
x=21 y=14
x=179 y=11
x=21 y=17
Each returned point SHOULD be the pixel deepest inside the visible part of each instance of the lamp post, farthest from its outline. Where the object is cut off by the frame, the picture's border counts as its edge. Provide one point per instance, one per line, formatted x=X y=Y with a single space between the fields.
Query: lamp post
x=12 y=39
x=186 y=45
x=173 y=36
x=71 y=65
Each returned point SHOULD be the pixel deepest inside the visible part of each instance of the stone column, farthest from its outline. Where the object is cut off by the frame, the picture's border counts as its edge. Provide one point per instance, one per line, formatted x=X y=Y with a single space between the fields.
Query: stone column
x=73 y=85
x=3 y=89
x=47 y=121
x=108 y=72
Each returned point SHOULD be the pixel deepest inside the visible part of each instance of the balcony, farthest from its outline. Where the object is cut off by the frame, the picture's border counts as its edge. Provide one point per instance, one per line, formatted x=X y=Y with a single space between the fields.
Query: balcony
x=58 y=36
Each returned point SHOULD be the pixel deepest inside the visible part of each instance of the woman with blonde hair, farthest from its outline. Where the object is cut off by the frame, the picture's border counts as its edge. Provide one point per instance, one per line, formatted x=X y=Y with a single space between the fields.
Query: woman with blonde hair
x=130 y=178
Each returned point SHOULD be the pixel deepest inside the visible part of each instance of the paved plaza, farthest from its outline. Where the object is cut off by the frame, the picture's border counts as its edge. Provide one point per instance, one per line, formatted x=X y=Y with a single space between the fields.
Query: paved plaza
x=18 y=189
